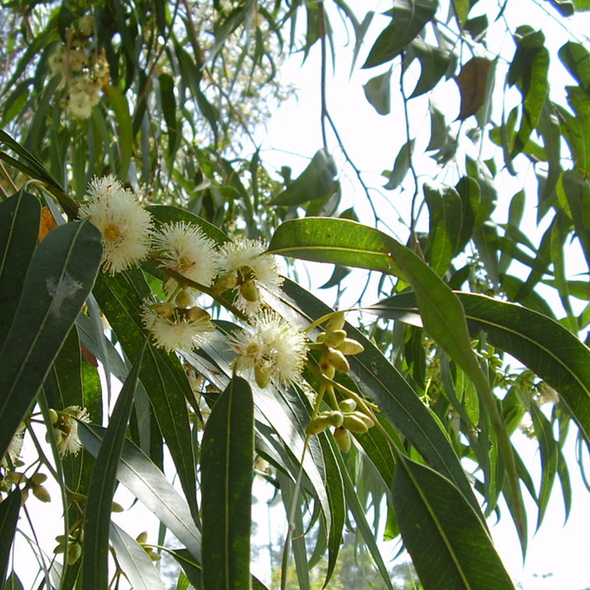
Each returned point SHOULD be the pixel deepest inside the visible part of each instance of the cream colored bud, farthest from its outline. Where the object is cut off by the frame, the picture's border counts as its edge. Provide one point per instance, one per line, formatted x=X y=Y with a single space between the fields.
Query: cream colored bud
x=318 y=425
x=336 y=323
x=321 y=337
x=335 y=338
x=337 y=360
x=53 y=416
x=41 y=494
x=262 y=374
x=164 y=308
x=142 y=538
x=347 y=406
x=196 y=313
x=183 y=299
x=350 y=347
x=229 y=280
x=366 y=419
x=249 y=291
x=355 y=424
x=336 y=419
x=342 y=438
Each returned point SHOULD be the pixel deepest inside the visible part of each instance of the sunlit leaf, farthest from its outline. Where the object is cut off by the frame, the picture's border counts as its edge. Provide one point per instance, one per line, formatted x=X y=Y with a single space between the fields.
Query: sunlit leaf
x=401 y=167
x=473 y=84
x=378 y=92
x=227 y=454
x=434 y=64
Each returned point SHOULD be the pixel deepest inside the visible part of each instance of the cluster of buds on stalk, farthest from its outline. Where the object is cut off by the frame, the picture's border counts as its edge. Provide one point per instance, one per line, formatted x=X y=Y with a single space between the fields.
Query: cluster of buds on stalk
x=343 y=416
x=30 y=484
x=69 y=544
x=149 y=549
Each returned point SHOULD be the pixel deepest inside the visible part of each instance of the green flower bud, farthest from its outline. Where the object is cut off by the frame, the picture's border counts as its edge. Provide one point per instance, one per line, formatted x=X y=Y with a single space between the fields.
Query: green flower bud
x=337 y=360
x=262 y=374
x=321 y=337
x=142 y=538
x=41 y=494
x=347 y=406
x=196 y=313
x=116 y=507
x=53 y=416
x=350 y=347
x=366 y=419
x=336 y=419
x=318 y=425
x=249 y=291
x=38 y=478
x=335 y=338
x=74 y=553
x=355 y=424
x=342 y=438
x=163 y=308
x=336 y=323
x=183 y=299
x=226 y=281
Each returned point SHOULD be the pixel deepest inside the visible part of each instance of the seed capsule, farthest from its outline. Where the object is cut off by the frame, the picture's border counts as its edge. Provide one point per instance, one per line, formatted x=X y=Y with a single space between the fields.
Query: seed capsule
x=342 y=438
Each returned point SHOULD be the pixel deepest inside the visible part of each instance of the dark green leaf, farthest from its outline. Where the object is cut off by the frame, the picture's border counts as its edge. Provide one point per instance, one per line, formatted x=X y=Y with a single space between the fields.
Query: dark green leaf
x=60 y=276
x=317 y=181
x=19 y=229
x=118 y=103
x=408 y=18
x=576 y=59
x=577 y=192
x=401 y=167
x=9 y=508
x=449 y=545
x=378 y=92
x=434 y=64
x=102 y=487
x=227 y=454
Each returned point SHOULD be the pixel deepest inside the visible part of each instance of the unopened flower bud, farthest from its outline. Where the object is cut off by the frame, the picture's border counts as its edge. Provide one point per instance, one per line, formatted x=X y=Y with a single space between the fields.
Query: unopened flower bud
x=196 y=313
x=38 y=478
x=262 y=374
x=163 y=308
x=366 y=419
x=249 y=291
x=226 y=281
x=318 y=425
x=321 y=337
x=350 y=347
x=355 y=424
x=53 y=416
x=335 y=338
x=336 y=419
x=183 y=299
x=74 y=553
x=41 y=494
x=116 y=507
x=336 y=322
x=142 y=538
x=337 y=360
x=342 y=438
x=347 y=405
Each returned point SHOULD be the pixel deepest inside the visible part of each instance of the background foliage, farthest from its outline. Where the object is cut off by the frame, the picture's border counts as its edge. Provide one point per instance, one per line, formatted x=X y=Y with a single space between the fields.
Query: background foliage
x=169 y=98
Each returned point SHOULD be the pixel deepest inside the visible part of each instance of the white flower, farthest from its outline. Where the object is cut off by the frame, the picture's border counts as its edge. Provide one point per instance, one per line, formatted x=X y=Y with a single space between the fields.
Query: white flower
x=66 y=429
x=253 y=267
x=79 y=104
x=273 y=349
x=177 y=329
x=184 y=248
x=125 y=225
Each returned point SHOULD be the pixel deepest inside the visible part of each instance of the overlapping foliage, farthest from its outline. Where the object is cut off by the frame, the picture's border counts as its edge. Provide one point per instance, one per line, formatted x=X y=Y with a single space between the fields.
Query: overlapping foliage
x=165 y=99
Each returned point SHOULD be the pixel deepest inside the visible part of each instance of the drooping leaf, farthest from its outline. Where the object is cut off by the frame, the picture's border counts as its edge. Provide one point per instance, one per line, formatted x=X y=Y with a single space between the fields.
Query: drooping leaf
x=317 y=181
x=449 y=545
x=401 y=166
x=19 y=228
x=118 y=103
x=408 y=18
x=149 y=485
x=134 y=561
x=378 y=92
x=102 y=487
x=577 y=192
x=576 y=58
x=434 y=64
x=60 y=276
x=226 y=486
x=9 y=509
x=473 y=85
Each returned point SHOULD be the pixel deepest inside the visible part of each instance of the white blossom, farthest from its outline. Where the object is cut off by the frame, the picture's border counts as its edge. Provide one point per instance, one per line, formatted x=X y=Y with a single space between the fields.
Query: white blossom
x=66 y=429
x=184 y=248
x=124 y=223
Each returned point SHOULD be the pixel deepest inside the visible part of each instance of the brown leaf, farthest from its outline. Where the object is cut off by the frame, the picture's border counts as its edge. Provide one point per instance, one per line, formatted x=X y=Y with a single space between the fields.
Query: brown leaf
x=472 y=85
x=47 y=223
x=88 y=356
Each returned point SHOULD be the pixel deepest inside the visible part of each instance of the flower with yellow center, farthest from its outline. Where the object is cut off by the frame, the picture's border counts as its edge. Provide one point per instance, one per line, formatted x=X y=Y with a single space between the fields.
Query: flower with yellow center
x=125 y=225
x=66 y=429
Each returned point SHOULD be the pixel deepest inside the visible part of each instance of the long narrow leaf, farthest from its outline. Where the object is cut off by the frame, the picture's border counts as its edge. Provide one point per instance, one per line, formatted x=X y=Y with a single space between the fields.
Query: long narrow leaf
x=9 y=508
x=60 y=276
x=102 y=487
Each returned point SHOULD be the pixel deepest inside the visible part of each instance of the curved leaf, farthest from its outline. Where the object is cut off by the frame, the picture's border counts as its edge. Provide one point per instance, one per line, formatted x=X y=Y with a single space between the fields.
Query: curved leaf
x=227 y=454
x=449 y=545
x=102 y=487
x=60 y=276
x=9 y=509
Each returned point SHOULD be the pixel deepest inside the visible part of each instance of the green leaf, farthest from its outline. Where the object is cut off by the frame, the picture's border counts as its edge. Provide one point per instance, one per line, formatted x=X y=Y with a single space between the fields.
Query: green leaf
x=168 y=102
x=134 y=561
x=118 y=103
x=577 y=127
x=9 y=509
x=401 y=166
x=101 y=490
x=449 y=545
x=227 y=454
x=121 y=298
x=317 y=181
x=408 y=18
x=60 y=276
x=378 y=92
x=149 y=485
x=529 y=69
x=446 y=224
x=577 y=191
x=19 y=229
x=547 y=348
x=576 y=58
x=434 y=64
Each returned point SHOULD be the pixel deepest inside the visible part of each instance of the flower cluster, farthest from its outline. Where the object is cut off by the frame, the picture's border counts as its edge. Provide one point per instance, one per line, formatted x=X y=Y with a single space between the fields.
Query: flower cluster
x=84 y=72
x=125 y=224
x=272 y=349
x=65 y=428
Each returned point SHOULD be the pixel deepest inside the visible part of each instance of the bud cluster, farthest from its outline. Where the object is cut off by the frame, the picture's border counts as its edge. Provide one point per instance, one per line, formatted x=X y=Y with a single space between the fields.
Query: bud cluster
x=30 y=484
x=336 y=346
x=142 y=540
